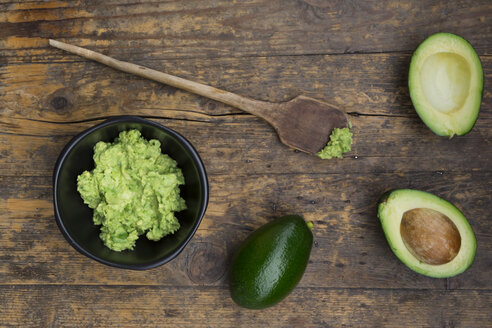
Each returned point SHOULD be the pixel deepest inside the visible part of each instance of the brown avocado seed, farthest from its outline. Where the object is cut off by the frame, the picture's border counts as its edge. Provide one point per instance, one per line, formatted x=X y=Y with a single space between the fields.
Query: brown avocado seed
x=430 y=236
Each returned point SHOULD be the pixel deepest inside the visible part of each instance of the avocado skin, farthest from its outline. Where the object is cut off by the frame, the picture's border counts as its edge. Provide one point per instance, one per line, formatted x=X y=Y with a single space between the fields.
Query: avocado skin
x=270 y=262
x=384 y=197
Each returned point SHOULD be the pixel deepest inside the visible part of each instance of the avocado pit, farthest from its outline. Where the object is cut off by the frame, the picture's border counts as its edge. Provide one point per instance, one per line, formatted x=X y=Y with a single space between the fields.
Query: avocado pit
x=430 y=236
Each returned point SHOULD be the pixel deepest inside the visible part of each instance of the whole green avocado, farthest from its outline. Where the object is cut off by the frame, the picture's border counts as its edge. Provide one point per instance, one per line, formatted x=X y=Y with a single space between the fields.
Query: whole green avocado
x=270 y=262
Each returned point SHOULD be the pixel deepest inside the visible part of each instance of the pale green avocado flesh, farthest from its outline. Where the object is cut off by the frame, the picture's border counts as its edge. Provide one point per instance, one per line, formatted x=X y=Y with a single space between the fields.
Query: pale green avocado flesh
x=391 y=211
x=340 y=142
x=133 y=190
x=446 y=84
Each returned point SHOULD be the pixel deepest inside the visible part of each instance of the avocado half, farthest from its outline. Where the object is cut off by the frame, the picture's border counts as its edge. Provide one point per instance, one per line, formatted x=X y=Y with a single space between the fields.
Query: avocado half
x=446 y=84
x=428 y=234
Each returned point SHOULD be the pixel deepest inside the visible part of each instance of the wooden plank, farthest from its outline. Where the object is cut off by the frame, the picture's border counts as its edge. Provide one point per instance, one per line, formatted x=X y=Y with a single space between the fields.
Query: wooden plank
x=211 y=28
x=102 y=306
x=247 y=145
x=72 y=91
x=349 y=251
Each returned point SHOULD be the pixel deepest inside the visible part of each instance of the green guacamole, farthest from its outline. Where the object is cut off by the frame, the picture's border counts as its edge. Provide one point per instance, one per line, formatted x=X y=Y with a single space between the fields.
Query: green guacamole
x=340 y=142
x=133 y=190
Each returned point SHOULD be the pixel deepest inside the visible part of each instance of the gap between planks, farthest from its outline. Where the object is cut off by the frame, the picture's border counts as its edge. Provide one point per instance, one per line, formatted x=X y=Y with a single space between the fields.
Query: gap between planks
x=212 y=287
x=100 y=118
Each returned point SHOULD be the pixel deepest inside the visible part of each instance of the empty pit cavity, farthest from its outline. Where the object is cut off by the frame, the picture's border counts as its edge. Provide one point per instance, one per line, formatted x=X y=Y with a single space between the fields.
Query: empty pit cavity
x=445 y=79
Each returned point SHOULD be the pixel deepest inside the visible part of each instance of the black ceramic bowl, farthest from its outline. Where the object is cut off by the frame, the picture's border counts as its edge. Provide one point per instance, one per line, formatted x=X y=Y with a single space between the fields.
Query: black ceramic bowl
x=74 y=218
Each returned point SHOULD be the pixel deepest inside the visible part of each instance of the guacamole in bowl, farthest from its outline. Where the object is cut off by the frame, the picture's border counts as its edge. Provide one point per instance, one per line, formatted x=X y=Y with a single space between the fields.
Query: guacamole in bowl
x=133 y=190
x=141 y=234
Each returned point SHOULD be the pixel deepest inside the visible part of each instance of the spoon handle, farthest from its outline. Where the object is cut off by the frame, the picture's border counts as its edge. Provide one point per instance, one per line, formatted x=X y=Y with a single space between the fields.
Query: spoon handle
x=255 y=107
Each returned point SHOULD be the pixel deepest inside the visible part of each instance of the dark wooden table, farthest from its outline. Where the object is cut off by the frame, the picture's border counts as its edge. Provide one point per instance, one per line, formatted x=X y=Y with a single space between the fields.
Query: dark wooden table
x=354 y=54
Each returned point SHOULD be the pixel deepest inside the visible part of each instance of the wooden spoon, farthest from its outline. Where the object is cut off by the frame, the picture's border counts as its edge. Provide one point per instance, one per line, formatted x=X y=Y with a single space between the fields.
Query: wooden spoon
x=302 y=123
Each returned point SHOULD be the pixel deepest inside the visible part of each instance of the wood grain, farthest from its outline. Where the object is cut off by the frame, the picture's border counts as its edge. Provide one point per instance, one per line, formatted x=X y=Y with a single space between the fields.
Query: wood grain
x=350 y=249
x=247 y=145
x=87 y=306
x=354 y=54
x=211 y=28
x=78 y=89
